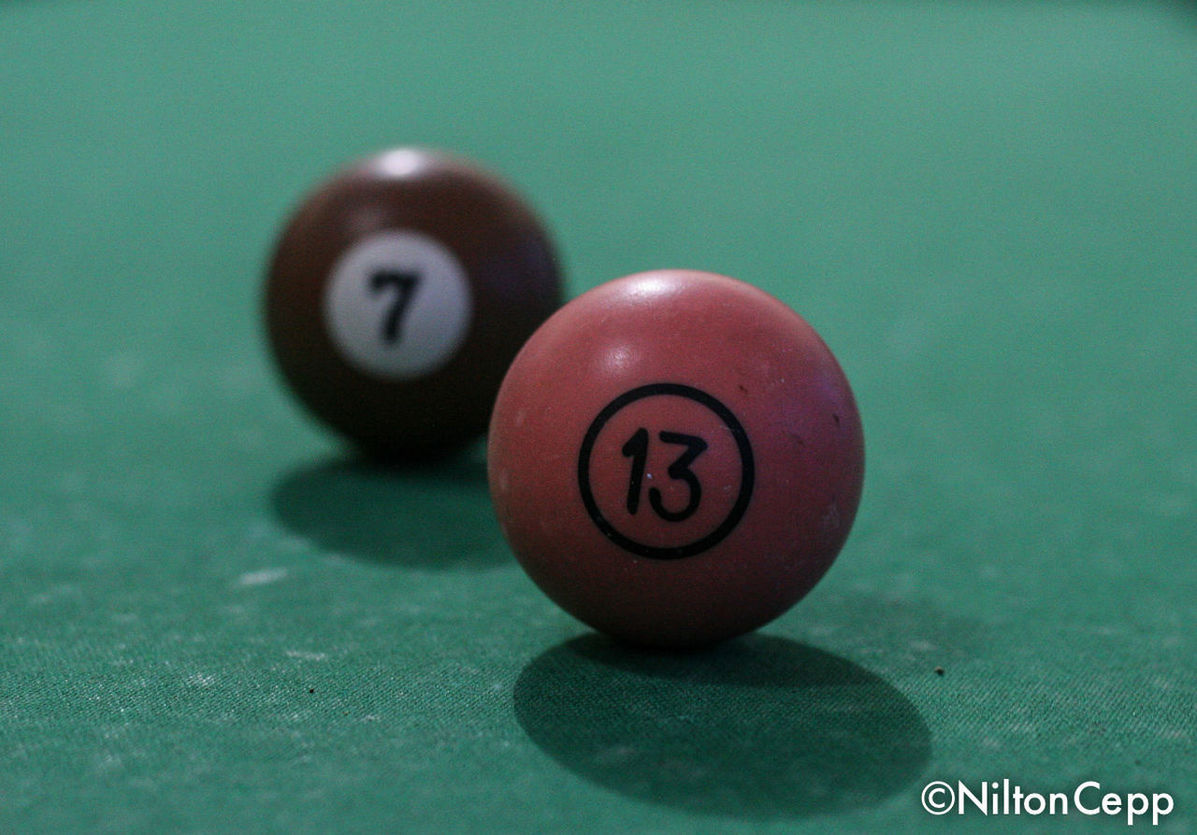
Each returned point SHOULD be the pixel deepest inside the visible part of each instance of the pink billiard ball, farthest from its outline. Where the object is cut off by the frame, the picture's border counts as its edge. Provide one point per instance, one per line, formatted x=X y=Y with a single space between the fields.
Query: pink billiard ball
x=676 y=458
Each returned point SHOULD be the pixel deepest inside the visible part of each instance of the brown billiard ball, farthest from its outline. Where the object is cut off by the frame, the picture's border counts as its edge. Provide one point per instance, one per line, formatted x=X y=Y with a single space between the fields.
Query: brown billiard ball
x=399 y=292
x=676 y=458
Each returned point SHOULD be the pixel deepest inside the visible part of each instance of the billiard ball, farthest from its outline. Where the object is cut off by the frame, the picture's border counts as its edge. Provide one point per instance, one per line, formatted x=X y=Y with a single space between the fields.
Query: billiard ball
x=398 y=293
x=675 y=457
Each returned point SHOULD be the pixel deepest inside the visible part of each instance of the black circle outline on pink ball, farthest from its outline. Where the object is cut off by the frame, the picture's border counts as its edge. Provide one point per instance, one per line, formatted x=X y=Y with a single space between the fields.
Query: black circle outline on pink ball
x=747 y=472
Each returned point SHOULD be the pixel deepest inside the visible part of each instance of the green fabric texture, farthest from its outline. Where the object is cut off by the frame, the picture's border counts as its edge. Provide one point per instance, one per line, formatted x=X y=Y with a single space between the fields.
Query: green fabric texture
x=213 y=617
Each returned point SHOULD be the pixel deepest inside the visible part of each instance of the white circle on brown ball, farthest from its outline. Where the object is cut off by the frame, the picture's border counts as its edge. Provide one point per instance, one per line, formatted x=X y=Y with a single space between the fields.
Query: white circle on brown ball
x=398 y=304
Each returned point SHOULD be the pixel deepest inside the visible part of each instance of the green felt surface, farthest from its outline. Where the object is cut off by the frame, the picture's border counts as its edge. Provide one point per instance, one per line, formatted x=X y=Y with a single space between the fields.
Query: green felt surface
x=213 y=618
